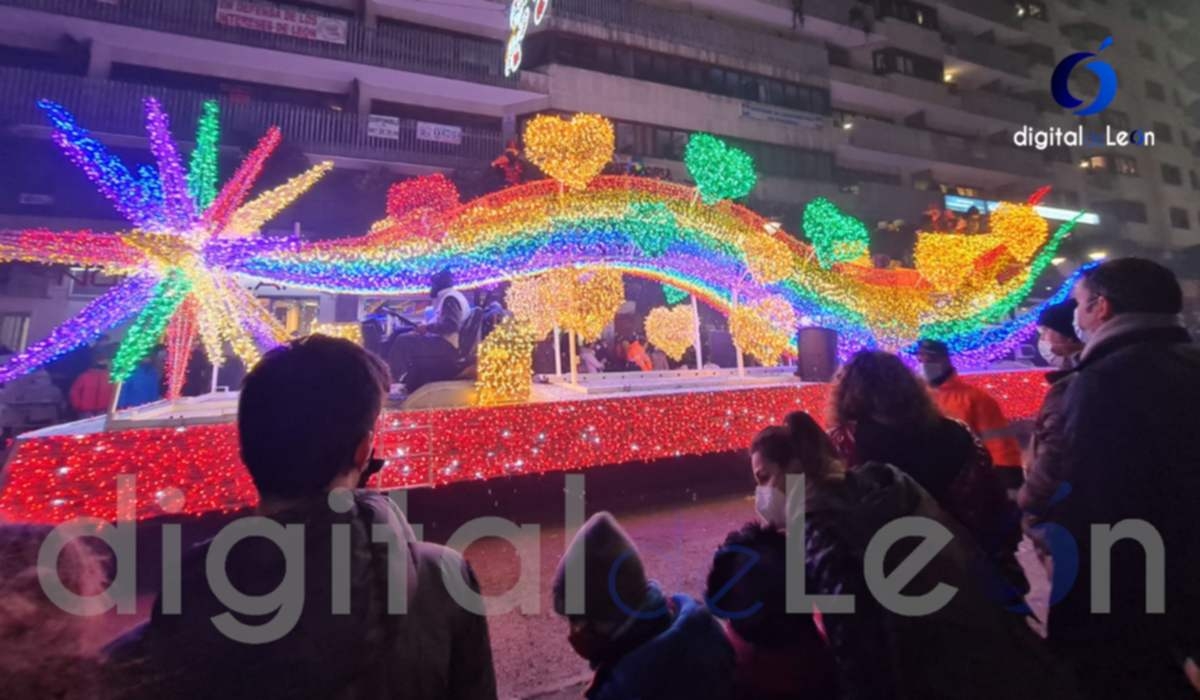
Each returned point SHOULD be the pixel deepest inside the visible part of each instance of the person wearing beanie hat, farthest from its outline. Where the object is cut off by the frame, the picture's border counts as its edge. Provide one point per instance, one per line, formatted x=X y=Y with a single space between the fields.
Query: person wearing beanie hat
x=1043 y=466
x=972 y=405
x=639 y=642
x=1057 y=341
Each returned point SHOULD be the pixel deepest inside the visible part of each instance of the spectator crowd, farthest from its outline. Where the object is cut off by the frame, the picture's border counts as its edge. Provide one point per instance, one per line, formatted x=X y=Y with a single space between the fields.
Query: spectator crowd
x=880 y=563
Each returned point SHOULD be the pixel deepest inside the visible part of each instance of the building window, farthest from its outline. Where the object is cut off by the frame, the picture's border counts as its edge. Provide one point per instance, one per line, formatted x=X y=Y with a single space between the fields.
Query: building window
x=1138 y=12
x=1125 y=210
x=1126 y=165
x=1098 y=164
x=1059 y=154
x=1183 y=136
x=1163 y=132
x=1195 y=182
x=1116 y=119
x=896 y=61
x=1032 y=9
x=14 y=331
x=1146 y=51
x=1179 y=218
x=911 y=12
x=1155 y=91
x=1172 y=175
x=680 y=72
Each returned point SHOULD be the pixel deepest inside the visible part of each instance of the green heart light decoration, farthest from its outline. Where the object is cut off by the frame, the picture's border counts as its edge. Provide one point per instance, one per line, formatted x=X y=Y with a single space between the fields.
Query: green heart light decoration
x=836 y=236
x=720 y=170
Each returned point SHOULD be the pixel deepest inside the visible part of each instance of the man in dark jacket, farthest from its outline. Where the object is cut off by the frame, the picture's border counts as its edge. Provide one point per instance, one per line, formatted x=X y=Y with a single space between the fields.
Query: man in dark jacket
x=370 y=613
x=640 y=643
x=1131 y=452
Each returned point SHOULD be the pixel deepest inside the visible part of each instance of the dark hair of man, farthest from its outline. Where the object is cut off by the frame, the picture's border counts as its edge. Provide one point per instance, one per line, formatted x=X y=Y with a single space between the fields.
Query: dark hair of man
x=1135 y=285
x=304 y=409
x=443 y=279
x=763 y=550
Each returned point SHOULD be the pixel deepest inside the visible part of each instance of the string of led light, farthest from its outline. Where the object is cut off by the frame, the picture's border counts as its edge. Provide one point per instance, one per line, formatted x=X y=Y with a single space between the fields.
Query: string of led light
x=179 y=251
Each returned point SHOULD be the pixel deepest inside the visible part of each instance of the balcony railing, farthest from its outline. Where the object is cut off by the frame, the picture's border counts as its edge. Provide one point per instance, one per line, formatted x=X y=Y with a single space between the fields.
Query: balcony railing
x=1012 y=109
x=401 y=48
x=918 y=143
x=994 y=10
x=976 y=101
x=686 y=28
x=113 y=107
x=982 y=53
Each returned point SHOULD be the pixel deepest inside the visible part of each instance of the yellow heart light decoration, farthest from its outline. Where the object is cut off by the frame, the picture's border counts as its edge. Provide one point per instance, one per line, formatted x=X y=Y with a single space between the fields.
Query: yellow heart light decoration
x=571 y=151
x=672 y=330
x=580 y=300
x=540 y=301
x=763 y=328
x=596 y=296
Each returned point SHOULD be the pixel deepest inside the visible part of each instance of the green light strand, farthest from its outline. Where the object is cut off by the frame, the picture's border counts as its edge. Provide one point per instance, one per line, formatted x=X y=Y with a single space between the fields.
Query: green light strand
x=202 y=170
x=652 y=227
x=148 y=327
x=674 y=295
x=836 y=236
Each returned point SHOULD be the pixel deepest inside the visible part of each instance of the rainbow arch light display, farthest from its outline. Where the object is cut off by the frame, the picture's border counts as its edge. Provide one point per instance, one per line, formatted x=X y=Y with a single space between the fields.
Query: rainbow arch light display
x=711 y=247
x=723 y=253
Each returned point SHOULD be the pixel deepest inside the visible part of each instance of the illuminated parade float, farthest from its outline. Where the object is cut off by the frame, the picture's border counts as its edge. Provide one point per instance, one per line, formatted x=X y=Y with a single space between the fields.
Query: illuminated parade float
x=560 y=247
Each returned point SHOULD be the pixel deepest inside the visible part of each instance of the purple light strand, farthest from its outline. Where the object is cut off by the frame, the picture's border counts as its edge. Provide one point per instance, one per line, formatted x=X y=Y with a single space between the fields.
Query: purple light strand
x=179 y=209
x=103 y=313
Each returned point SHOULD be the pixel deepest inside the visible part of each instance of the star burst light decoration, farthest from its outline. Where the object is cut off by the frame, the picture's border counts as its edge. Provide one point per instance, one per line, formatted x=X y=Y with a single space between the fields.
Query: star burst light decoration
x=176 y=257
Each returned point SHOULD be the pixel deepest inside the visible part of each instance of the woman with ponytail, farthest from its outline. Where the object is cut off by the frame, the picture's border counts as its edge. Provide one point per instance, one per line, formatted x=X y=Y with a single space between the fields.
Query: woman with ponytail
x=971 y=646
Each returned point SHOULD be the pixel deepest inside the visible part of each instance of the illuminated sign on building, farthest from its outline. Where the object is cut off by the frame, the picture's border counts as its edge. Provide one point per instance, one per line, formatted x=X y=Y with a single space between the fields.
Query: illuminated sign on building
x=519 y=16
x=962 y=204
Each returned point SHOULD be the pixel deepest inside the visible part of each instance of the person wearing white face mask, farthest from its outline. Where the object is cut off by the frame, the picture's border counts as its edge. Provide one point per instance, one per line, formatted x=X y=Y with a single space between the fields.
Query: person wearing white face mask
x=971 y=647
x=1044 y=458
x=1130 y=454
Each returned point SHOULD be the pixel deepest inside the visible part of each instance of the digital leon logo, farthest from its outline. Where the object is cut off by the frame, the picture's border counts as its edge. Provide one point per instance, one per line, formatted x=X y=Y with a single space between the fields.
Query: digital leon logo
x=1100 y=69
x=1041 y=139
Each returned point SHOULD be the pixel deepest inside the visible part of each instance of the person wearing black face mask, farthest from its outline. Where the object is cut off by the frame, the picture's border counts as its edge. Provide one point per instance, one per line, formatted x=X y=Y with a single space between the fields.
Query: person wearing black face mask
x=306 y=425
x=640 y=642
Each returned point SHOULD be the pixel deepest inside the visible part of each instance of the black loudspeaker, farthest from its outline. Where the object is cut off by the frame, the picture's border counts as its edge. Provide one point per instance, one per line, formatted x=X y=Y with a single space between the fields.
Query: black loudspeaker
x=818 y=354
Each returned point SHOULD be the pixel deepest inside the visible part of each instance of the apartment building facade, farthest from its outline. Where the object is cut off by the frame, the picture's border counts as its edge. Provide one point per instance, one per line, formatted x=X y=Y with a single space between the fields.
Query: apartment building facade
x=884 y=106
